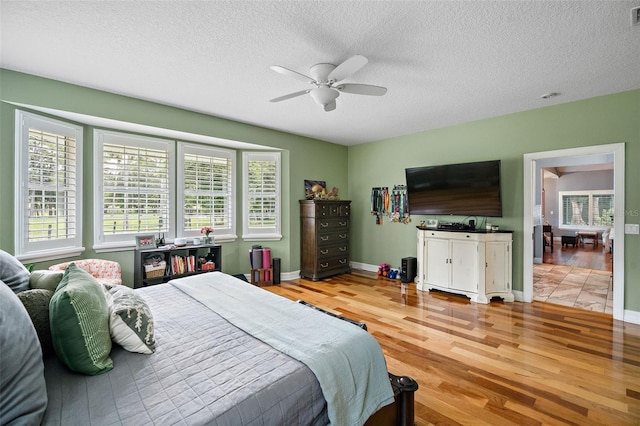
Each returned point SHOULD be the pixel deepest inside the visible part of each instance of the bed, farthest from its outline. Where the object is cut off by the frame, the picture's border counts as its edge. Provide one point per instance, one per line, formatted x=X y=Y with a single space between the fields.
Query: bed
x=229 y=353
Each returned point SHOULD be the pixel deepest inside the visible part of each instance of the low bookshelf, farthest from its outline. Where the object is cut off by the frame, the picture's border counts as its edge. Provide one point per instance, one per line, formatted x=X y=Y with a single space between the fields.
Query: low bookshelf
x=159 y=265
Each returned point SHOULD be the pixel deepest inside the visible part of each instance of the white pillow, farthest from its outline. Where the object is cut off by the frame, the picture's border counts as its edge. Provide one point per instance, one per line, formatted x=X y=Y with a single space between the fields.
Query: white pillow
x=130 y=321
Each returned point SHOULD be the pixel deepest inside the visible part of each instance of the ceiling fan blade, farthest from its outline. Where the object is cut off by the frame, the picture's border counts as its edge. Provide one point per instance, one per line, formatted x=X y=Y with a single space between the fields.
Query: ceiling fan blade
x=362 y=89
x=347 y=68
x=290 y=95
x=291 y=73
x=330 y=106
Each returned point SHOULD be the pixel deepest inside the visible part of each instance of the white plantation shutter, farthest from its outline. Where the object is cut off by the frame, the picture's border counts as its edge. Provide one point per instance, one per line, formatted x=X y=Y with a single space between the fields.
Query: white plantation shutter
x=261 y=201
x=48 y=187
x=602 y=209
x=586 y=208
x=206 y=190
x=135 y=182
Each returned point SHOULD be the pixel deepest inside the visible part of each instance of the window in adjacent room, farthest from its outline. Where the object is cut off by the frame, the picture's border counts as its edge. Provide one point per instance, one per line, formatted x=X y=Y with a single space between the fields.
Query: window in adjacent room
x=48 y=215
x=206 y=190
x=586 y=209
x=134 y=181
x=261 y=195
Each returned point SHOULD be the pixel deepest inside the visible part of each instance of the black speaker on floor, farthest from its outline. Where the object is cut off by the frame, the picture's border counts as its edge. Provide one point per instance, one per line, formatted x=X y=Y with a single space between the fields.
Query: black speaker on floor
x=408 y=269
x=276 y=270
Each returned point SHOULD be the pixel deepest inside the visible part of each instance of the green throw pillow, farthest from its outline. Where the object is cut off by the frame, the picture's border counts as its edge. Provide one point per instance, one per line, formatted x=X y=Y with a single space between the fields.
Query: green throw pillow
x=79 y=318
x=47 y=280
x=36 y=301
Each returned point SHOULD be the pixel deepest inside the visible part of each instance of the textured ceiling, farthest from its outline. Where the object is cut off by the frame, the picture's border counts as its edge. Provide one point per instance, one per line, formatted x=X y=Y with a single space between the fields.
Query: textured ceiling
x=443 y=62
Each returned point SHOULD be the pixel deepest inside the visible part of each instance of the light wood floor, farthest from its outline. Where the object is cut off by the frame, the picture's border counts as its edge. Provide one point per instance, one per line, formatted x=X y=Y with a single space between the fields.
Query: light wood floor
x=497 y=364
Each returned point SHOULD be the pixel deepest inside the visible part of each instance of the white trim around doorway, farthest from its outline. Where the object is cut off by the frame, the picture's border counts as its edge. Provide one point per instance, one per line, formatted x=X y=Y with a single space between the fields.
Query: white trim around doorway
x=617 y=149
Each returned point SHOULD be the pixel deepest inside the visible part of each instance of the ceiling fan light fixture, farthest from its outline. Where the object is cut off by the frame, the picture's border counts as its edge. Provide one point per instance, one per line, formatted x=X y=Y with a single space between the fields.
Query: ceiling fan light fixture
x=324 y=95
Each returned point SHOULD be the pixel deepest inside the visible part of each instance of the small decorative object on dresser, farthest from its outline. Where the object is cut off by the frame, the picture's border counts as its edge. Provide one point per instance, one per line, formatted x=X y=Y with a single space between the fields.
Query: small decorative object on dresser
x=145 y=241
x=207 y=231
x=324 y=235
x=315 y=189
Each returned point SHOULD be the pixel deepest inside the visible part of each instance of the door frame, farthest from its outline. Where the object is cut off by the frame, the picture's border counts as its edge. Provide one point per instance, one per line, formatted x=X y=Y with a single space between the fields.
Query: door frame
x=530 y=159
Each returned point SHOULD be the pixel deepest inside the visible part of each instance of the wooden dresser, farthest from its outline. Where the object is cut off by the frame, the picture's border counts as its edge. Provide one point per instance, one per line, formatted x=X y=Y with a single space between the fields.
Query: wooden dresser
x=324 y=238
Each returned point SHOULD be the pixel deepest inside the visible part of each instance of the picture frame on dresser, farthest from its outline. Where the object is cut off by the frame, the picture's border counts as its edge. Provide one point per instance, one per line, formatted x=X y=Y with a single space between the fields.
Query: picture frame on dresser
x=145 y=242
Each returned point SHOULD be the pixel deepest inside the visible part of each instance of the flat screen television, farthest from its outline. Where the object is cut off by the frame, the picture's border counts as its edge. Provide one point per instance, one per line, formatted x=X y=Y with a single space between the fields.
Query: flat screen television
x=466 y=189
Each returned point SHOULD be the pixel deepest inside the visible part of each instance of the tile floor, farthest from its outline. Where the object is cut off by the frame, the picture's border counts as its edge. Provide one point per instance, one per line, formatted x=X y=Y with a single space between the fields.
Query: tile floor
x=587 y=289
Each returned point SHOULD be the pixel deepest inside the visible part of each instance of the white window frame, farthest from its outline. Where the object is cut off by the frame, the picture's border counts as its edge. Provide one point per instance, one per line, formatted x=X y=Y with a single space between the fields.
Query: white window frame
x=590 y=194
x=102 y=241
x=261 y=234
x=220 y=234
x=50 y=249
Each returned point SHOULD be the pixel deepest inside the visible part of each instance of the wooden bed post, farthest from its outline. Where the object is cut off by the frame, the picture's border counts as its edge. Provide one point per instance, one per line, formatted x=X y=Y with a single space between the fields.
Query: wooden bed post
x=401 y=412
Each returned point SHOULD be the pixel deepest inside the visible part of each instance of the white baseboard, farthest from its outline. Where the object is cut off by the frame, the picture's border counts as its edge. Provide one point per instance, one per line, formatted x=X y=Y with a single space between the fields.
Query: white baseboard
x=284 y=276
x=632 y=317
x=519 y=295
x=290 y=275
x=364 y=266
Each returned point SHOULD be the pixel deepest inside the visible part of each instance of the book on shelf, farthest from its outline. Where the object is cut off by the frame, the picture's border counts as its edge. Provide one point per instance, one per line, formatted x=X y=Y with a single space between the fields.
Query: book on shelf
x=182 y=264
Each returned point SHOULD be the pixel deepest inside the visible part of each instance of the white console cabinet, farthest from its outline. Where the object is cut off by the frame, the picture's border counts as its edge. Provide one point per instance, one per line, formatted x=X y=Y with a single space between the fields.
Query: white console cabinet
x=476 y=264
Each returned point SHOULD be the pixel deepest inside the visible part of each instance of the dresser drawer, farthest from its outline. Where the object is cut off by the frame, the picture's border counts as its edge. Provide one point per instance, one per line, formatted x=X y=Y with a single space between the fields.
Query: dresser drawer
x=332 y=224
x=336 y=263
x=326 y=252
x=333 y=210
x=332 y=237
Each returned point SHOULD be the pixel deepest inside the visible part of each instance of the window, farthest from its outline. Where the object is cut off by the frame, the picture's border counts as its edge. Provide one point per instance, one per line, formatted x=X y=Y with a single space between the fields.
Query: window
x=586 y=209
x=261 y=195
x=48 y=216
x=133 y=186
x=206 y=194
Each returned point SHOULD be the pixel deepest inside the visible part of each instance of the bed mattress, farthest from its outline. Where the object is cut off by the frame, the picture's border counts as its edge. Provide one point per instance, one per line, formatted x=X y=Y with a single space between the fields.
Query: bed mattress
x=205 y=371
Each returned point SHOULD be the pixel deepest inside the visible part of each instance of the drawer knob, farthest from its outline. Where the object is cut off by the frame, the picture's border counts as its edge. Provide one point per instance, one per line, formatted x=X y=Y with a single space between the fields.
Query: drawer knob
x=324 y=265
x=342 y=248
x=324 y=251
x=324 y=238
x=343 y=235
x=324 y=224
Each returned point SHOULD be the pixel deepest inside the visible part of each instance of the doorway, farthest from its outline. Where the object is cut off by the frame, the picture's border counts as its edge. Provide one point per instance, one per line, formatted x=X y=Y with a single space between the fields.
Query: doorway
x=532 y=167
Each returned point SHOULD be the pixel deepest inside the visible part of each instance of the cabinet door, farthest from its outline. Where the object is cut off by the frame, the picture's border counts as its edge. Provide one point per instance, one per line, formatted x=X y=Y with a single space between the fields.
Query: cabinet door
x=498 y=274
x=464 y=265
x=436 y=259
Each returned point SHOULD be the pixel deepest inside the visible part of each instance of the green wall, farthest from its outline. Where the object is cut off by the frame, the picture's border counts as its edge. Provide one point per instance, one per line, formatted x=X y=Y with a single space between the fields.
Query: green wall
x=597 y=121
x=303 y=158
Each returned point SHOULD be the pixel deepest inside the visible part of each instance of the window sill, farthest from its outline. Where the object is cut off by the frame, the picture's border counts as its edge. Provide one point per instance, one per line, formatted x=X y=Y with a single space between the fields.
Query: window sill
x=117 y=246
x=46 y=255
x=262 y=237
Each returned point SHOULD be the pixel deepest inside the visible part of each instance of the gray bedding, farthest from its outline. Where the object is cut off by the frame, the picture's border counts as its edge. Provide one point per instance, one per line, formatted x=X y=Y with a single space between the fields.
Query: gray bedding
x=205 y=372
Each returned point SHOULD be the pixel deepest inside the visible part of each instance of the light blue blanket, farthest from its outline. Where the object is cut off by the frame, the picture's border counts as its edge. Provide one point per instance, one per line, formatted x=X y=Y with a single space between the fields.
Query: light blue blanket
x=346 y=360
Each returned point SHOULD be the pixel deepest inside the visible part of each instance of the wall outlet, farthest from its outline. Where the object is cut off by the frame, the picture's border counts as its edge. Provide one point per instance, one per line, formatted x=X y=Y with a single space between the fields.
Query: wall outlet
x=631 y=228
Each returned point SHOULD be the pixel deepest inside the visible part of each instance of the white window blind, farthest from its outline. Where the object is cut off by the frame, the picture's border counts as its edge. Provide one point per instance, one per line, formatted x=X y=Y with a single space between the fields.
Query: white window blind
x=52 y=186
x=135 y=181
x=48 y=187
x=584 y=209
x=261 y=184
x=206 y=196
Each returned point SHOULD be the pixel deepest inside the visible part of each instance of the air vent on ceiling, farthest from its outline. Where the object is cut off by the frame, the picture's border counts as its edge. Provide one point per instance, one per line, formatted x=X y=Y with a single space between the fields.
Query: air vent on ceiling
x=635 y=16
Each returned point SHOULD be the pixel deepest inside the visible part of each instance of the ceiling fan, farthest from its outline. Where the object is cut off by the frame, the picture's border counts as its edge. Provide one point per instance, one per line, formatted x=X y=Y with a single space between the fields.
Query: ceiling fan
x=326 y=77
